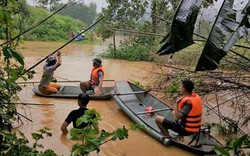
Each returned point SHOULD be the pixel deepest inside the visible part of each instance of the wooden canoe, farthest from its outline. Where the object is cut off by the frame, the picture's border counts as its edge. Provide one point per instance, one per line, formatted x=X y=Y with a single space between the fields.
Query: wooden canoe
x=133 y=101
x=74 y=91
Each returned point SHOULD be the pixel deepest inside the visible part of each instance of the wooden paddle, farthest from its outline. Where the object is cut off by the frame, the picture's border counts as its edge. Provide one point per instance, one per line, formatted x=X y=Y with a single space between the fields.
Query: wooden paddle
x=152 y=111
x=127 y=93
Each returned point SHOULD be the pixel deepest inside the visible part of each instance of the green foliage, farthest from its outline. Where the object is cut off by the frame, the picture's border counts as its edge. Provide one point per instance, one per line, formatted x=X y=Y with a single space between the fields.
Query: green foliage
x=136 y=50
x=10 y=143
x=11 y=53
x=189 y=56
x=12 y=67
x=11 y=15
x=50 y=4
x=91 y=141
x=14 y=145
x=127 y=14
x=54 y=29
x=173 y=87
x=235 y=146
x=38 y=136
x=137 y=83
x=78 y=10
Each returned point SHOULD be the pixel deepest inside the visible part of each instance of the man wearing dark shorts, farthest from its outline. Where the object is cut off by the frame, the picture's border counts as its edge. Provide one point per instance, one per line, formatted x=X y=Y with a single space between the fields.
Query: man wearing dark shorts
x=187 y=116
x=96 y=78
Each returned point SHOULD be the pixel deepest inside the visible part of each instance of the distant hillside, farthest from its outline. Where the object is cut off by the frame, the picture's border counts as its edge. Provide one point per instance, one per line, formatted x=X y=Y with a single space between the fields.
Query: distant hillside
x=83 y=12
x=54 y=29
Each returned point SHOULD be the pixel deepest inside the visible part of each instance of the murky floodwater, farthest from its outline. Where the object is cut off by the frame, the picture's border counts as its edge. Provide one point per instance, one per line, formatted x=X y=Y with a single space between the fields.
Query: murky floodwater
x=76 y=65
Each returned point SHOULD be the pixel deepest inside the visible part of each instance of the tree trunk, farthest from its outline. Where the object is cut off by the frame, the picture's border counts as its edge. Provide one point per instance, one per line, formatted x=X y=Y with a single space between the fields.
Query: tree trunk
x=114 y=43
x=154 y=19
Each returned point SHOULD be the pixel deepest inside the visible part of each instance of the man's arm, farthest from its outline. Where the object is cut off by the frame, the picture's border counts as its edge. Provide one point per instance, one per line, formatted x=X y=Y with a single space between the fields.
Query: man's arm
x=183 y=112
x=59 y=59
x=58 y=62
x=100 y=76
x=64 y=127
x=98 y=88
x=67 y=121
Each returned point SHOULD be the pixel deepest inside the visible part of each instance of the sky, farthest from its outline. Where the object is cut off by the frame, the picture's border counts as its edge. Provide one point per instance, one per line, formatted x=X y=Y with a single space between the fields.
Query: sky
x=99 y=3
x=209 y=13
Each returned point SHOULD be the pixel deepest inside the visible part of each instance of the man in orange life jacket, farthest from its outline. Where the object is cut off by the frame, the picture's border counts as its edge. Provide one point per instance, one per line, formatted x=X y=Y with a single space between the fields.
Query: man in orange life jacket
x=96 y=78
x=187 y=116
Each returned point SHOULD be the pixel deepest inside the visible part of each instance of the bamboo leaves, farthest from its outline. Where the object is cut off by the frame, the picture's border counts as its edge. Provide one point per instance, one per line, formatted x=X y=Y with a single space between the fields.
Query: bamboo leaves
x=225 y=25
x=181 y=35
x=242 y=30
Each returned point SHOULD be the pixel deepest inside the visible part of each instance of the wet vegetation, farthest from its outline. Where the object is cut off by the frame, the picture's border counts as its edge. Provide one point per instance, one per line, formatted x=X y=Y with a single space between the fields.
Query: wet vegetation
x=55 y=29
x=58 y=26
x=139 y=49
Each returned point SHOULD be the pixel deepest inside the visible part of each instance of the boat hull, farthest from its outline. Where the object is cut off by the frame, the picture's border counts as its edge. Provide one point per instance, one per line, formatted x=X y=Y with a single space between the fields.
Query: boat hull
x=135 y=101
x=74 y=91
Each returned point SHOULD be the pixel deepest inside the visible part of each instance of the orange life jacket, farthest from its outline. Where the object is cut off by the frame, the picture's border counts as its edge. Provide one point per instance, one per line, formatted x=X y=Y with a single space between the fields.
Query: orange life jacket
x=193 y=119
x=94 y=79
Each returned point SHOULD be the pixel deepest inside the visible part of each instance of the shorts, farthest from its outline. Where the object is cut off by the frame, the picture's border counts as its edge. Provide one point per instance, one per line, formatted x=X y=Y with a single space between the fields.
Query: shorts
x=91 y=87
x=175 y=126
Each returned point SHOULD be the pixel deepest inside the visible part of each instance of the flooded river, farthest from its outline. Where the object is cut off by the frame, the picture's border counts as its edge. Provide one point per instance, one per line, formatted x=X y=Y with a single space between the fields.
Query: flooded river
x=76 y=65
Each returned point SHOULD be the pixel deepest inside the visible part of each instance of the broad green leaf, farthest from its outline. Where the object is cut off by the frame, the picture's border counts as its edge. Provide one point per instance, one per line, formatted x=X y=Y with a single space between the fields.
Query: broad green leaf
x=136 y=127
x=74 y=133
x=82 y=119
x=121 y=133
x=1 y=13
x=222 y=150
x=17 y=56
x=37 y=136
x=238 y=143
x=6 y=53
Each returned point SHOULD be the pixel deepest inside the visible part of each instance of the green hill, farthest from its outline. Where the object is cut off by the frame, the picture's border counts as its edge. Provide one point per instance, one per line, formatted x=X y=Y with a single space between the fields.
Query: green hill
x=54 y=29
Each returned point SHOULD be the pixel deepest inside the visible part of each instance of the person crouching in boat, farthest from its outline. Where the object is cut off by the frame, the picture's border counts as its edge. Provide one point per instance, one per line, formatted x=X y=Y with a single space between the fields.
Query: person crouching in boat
x=83 y=100
x=52 y=63
x=187 y=116
x=96 y=78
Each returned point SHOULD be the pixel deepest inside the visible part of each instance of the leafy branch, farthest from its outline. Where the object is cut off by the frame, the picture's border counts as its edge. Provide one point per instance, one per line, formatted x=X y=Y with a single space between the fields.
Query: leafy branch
x=91 y=141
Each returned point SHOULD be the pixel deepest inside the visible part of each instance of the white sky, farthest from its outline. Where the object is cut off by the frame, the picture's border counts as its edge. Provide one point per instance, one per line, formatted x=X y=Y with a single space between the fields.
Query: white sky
x=209 y=13
x=99 y=3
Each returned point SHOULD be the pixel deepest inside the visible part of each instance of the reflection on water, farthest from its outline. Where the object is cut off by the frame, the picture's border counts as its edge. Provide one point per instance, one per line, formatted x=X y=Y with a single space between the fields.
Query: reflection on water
x=76 y=65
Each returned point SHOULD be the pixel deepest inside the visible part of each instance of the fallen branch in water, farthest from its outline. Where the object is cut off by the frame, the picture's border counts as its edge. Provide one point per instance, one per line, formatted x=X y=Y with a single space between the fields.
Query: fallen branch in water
x=24 y=117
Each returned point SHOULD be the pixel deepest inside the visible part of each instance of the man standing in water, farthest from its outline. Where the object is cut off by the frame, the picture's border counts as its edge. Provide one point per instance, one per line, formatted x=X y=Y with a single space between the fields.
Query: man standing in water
x=83 y=100
x=187 y=116
x=96 y=78
x=52 y=63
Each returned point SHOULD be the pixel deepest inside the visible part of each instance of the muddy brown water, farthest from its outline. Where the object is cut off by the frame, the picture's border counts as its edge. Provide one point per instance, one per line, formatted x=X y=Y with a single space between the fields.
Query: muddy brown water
x=76 y=65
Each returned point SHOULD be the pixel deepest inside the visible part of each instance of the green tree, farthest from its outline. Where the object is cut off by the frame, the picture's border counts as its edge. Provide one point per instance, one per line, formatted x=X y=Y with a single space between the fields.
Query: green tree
x=12 y=16
x=54 y=29
x=48 y=4
x=127 y=14
x=78 y=10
